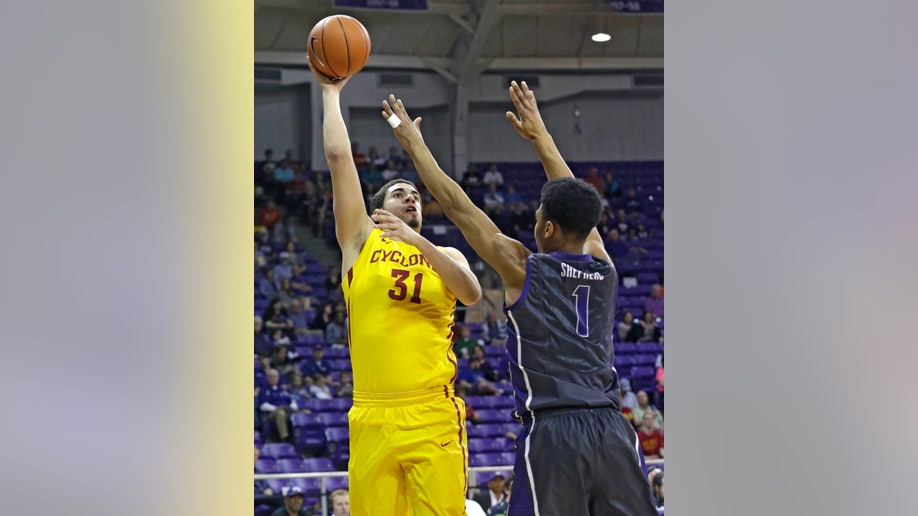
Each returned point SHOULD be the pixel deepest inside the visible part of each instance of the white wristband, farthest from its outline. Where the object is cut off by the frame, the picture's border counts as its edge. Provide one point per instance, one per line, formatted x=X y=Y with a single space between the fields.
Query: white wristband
x=394 y=120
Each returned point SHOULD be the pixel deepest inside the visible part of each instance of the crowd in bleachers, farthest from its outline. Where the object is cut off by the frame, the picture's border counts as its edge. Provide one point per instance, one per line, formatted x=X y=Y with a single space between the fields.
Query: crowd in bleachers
x=303 y=383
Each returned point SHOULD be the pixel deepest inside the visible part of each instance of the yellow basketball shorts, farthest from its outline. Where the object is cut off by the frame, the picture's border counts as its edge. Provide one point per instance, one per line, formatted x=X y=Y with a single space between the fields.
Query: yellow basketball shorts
x=409 y=454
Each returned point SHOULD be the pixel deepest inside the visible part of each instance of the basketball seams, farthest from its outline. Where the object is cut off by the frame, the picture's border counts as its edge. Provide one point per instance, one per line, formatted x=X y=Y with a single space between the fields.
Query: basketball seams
x=324 y=53
x=347 y=49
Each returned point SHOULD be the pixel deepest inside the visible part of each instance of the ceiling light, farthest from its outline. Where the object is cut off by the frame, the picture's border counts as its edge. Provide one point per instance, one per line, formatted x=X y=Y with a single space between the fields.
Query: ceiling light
x=601 y=37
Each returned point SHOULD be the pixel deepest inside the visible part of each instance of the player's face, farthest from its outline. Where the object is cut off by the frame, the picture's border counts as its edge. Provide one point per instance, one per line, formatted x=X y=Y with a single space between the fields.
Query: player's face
x=404 y=202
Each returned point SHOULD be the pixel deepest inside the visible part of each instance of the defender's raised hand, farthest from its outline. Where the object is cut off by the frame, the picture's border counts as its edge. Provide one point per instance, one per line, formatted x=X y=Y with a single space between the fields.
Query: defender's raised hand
x=529 y=124
x=408 y=132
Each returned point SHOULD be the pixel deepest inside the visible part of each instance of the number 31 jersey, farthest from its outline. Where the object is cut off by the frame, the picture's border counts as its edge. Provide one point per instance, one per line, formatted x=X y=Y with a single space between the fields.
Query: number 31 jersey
x=560 y=334
x=400 y=319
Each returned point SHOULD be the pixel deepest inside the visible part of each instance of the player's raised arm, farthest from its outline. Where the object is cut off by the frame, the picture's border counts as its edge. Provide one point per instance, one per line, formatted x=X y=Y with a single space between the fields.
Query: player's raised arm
x=530 y=126
x=352 y=224
x=506 y=255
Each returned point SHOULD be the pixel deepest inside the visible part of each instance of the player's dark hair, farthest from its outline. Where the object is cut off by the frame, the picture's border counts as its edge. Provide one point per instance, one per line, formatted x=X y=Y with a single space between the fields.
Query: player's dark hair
x=380 y=195
x=575 y=206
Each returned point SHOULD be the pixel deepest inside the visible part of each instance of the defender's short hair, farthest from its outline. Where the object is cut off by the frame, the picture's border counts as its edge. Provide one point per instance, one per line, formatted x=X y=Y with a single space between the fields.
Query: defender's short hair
x=380 y=195
x=572 y=204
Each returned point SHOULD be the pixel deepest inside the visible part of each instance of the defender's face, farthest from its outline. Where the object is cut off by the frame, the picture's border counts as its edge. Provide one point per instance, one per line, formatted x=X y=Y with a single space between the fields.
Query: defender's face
x=403 y=201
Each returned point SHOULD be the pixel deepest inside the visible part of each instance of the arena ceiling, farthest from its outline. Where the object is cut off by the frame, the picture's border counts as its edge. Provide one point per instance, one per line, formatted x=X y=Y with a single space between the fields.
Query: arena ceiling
x=461 y=39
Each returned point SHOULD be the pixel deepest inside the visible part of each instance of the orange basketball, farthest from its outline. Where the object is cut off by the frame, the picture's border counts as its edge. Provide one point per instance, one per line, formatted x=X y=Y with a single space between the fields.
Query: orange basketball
x=338 y=46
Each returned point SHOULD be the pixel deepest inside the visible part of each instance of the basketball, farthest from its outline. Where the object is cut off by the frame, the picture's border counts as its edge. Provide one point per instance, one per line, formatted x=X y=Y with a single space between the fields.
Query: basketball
x=338 y=46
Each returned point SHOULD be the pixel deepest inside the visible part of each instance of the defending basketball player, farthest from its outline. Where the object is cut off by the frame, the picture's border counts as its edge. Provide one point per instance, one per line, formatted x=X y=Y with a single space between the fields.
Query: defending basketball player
x=408 y=445
x=577 y=454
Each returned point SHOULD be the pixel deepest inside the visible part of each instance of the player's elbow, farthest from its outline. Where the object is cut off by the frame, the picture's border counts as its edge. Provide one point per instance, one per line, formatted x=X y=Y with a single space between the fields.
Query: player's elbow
x=471 y=295
x=336 y=153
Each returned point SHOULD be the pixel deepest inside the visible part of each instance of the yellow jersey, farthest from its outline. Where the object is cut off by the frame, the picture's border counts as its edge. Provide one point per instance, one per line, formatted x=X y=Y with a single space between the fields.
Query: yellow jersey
x=400 y=319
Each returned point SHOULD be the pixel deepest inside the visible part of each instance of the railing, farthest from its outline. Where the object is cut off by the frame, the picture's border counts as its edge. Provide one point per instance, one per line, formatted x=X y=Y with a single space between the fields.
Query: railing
x=323 y=475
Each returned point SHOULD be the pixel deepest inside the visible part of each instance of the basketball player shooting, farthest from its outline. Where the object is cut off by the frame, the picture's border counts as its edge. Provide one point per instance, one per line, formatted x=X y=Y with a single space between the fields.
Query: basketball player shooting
x=408 y=445
x=577 y=453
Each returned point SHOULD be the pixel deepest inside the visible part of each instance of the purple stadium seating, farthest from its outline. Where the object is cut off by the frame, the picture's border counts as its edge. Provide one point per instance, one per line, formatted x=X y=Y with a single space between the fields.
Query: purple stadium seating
x=266 y=466
x=337 y=435
x=330 y=419
x=493 y=415
x=332 y=483
x=279 y=451
x=290 y=465
x=318 y=464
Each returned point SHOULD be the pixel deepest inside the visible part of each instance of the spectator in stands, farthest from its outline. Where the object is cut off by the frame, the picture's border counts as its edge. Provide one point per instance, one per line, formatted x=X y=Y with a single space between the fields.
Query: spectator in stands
x=266 y=168
x=632 y=202
x=495 y=330
x=495 y=493
x=390 y=172
x=646 y=330
x=340 y=502
x=512 y=197
x=283 y=357
x=501 y=508
x=657 y=487
x=465 y=343
x=360 y=159
x=336 y=331
x=624 y=326
x=309 y=206
x=345 y=386
x=269 y=216
x=471 y=417
x=284 y=172
x=260 y=260
x=628 y=399
x=487 y=371
x=658 y=396
x=263 y=344
x=324 y=315
x=592 y=177
x=283 y=269
x=267 y=287
x=333 y=280
x=520 y=220
x=275 y=403
x=471 y=179
x=621 y=222
x=285 y=293
x=374 y=157
x=395 y=155
x=650 y=437
x=298 y=317
x=611 y=187
x=493 y=200
x=644 y=407
x=617 y=247
x=319 y=388
x=493 y=177
x=605 y=226
x=293 y=503
x=654 y=303
x=297 y=389
x=641 y=232
x=276 y=317
x=473 y=380
x=316 y=364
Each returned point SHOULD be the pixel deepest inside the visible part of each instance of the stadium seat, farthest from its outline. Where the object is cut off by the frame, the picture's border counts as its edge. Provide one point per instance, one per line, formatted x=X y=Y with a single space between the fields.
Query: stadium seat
x=318 y=464
x=290 y=465
x=266 y=466
x=279 y=451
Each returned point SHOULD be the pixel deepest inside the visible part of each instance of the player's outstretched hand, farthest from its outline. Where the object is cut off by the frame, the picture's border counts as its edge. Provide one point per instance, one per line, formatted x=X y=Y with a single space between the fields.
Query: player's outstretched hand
x=529 y=124
x=407 y=131
x=394 y=227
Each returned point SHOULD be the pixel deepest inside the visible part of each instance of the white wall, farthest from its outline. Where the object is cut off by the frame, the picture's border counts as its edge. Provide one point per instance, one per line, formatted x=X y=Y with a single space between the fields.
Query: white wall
x=612 y=127
x=277 y=123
